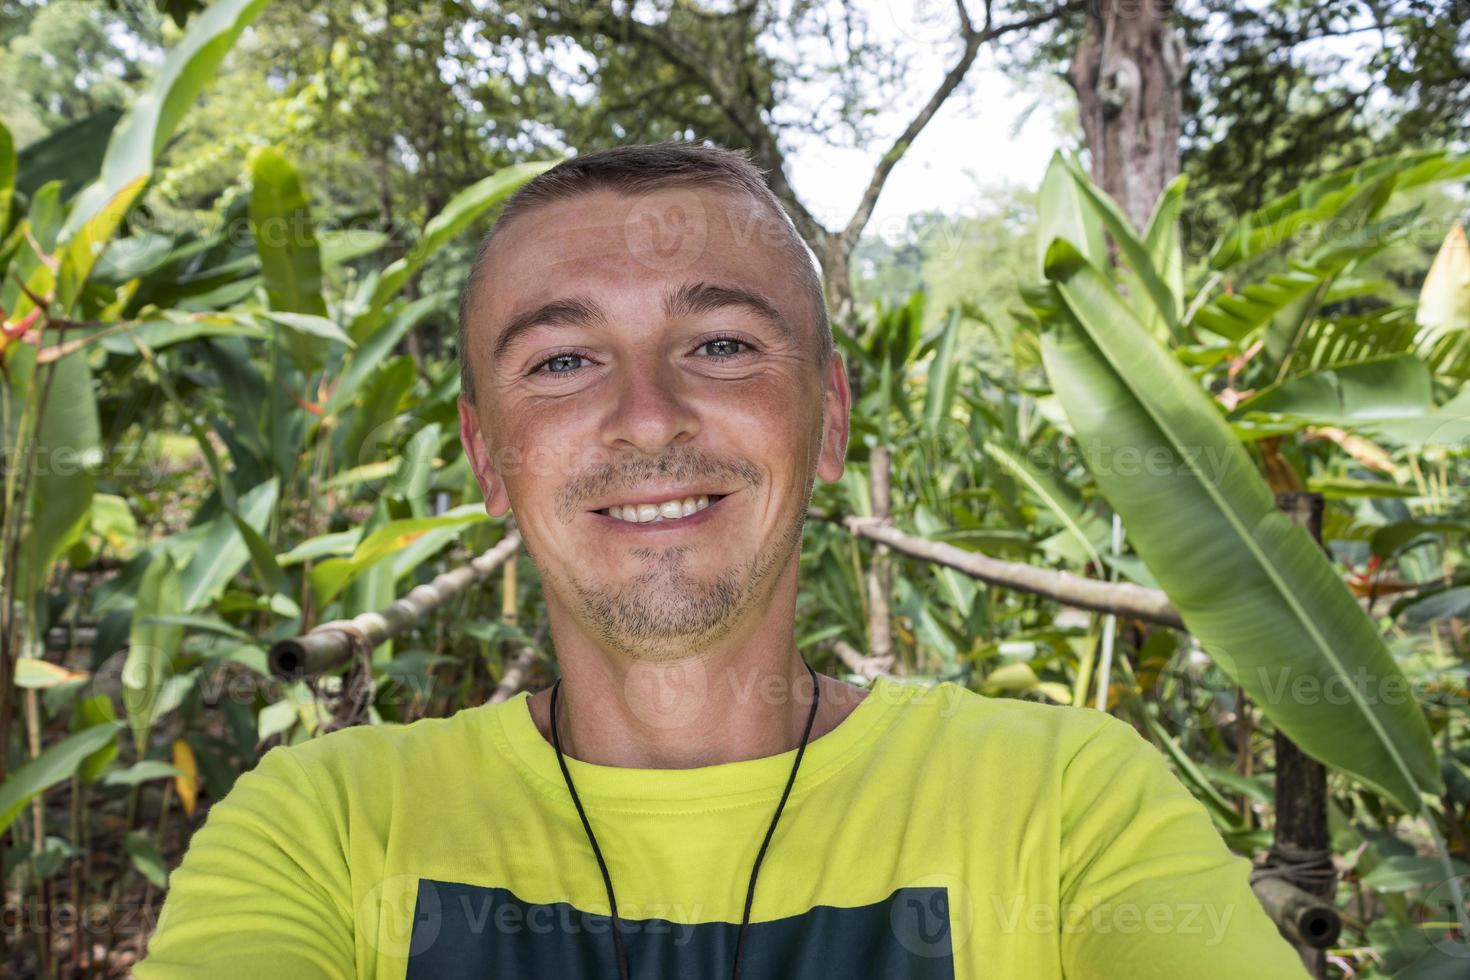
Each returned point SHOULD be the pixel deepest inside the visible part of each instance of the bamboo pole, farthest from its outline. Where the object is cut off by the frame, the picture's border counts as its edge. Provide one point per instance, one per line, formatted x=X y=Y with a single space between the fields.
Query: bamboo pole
x=880 y=616
x=520 y=660
x=1123 y=599
x=1309 y=922
x=865 y=667
x=331 y=644
x=517 y=675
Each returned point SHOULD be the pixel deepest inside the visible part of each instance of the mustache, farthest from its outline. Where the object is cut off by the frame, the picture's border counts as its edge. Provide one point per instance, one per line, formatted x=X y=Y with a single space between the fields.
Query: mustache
x=625 y=472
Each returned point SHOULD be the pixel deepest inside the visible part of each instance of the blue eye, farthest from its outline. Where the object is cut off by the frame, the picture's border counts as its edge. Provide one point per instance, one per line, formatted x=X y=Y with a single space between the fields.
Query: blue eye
x=551 y=363
x=570 y=362
x=726 y=347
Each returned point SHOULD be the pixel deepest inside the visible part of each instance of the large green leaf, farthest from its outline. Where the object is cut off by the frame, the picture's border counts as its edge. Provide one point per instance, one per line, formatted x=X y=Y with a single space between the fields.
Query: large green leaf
x=1166 y=253
x=418 y=536
x=1064 y=214
x=1392 y=387
x=1253 y=586
x=174 y=327
x=1134 y=251
x=1164 y=249
x=290 y=258
x=280 y=217
x=52 y=766
x=68 y=451
x=1447 y=425
x=153 y=644
x=216 y=551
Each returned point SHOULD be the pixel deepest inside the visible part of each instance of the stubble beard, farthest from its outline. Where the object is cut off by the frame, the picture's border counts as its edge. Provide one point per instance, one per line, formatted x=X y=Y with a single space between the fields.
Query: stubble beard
x=664 y=614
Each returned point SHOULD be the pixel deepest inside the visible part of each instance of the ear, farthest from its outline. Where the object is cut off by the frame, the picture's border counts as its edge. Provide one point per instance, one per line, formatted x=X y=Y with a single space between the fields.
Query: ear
x=478 y=451
x=836 y=408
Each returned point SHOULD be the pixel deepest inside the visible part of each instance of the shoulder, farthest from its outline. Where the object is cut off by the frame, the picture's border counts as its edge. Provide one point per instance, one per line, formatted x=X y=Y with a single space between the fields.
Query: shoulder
x=385 y=754
x=966 y=719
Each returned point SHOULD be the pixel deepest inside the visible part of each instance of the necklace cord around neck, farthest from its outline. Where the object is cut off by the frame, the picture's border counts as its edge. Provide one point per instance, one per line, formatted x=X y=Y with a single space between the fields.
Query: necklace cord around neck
x=620 y=951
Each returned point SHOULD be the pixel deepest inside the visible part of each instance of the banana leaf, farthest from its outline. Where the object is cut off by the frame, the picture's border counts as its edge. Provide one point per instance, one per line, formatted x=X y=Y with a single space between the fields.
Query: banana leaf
x=1253 y=586
x=1395 y=386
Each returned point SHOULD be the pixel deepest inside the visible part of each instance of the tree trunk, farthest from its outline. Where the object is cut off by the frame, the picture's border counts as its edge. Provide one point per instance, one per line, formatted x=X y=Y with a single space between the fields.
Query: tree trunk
x=1128 y=73
x=1302 y=848
x=835 y=258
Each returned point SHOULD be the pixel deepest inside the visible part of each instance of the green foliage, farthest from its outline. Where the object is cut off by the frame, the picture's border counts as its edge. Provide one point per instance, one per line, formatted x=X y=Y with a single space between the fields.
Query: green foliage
x=69 y=60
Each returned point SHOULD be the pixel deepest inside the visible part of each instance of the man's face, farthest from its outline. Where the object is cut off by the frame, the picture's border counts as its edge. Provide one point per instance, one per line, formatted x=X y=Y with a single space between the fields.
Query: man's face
x=633 y=352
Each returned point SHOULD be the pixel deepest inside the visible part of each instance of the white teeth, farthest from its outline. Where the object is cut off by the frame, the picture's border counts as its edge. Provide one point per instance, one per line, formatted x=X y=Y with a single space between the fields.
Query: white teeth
x=669 y=510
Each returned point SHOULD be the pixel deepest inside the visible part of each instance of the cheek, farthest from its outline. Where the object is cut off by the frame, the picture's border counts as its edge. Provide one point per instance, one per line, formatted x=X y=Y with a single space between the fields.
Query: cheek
x=541 y=448
x=771 y=428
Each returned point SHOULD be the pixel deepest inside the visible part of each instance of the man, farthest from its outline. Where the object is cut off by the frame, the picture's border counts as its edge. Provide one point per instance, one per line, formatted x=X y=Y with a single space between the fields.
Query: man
x=649 y=384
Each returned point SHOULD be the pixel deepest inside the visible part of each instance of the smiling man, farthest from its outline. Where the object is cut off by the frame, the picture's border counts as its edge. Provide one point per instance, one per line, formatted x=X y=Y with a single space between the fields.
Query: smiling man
x=650 y=387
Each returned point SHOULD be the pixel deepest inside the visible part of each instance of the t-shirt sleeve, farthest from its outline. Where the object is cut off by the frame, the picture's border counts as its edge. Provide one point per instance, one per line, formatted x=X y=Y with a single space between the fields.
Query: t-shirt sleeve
x=1149 y=888
x=262 y=888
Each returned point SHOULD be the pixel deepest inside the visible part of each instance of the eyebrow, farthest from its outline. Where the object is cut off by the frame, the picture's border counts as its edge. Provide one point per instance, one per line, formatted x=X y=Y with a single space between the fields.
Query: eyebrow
x=691 y=299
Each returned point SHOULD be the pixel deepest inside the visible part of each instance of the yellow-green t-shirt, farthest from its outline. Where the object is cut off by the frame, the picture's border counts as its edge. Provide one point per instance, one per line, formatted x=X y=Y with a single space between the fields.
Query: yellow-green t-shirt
x=933 y=833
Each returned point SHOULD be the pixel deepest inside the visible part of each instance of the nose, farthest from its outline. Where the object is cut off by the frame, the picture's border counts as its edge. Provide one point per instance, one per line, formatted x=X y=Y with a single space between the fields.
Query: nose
x=651 y=412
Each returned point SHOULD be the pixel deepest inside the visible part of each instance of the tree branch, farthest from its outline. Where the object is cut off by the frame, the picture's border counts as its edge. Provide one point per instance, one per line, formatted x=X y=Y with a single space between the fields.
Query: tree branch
x=973 y=41
x=746 y=117
x=1123 y=599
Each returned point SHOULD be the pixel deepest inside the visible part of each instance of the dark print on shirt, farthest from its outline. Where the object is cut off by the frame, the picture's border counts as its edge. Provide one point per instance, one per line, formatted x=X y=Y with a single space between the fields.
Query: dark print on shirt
x=467 y=931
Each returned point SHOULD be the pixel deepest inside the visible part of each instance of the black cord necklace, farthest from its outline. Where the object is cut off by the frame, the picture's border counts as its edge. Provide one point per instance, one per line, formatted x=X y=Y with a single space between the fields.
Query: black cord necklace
x=612 y=903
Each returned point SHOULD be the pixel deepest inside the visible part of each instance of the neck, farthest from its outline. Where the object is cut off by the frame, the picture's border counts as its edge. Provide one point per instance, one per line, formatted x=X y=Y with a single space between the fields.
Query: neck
x=705 y=710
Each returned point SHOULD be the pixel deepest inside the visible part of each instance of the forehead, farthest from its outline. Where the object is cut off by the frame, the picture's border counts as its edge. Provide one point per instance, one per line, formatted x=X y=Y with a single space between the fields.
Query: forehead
x=614 y=244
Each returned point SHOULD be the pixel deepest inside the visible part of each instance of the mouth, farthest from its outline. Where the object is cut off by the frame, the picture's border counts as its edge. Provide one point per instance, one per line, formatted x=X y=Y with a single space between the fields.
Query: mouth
x=670 y=512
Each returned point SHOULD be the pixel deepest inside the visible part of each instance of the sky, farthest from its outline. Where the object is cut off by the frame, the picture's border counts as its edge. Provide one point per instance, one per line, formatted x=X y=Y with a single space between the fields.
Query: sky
x=966 y=148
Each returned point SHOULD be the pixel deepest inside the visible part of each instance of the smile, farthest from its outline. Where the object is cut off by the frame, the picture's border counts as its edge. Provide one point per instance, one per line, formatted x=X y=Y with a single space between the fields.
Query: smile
x=663 y=512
